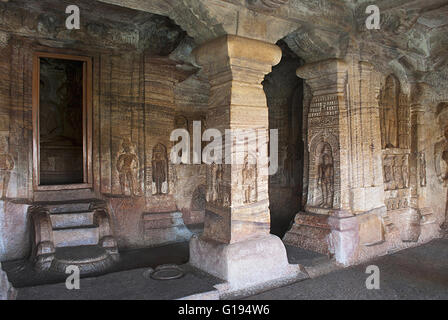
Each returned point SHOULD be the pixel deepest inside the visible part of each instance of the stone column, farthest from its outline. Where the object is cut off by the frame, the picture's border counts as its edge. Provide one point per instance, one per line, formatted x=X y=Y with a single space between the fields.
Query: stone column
x=344 y=167
x=236 y=244
x=421 y=97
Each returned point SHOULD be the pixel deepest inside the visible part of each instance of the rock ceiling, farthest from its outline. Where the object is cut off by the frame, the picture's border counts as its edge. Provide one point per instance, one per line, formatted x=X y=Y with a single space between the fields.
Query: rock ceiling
x=412 y=40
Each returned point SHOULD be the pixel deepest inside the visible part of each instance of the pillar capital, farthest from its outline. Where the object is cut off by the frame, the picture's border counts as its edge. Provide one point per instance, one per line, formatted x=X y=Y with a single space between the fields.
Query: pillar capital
x=324 y=76
x=240 y=50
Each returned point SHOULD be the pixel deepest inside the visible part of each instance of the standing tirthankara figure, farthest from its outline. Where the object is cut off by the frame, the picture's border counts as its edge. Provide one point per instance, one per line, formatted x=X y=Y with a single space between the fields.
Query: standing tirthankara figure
x=249 y=181
x=160 y=169
x=127 y=166
x=326 y=178
x=389 y=101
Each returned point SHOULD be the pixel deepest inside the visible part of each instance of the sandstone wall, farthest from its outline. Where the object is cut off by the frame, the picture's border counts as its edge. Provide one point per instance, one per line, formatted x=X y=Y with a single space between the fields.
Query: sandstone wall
x=133 y=102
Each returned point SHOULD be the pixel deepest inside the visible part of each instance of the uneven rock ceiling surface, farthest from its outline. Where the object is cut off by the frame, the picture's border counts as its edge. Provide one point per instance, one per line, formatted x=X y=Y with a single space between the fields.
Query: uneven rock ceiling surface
x=412 y=41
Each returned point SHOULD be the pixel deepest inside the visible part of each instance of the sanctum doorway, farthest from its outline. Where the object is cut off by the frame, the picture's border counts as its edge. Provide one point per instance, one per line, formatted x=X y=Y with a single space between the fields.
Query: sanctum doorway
x=61 y=121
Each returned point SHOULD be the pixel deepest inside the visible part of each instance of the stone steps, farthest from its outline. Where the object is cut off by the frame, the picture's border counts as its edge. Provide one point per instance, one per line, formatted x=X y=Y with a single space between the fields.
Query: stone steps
x=71 y=219
x=76 y=236
x=67 y=207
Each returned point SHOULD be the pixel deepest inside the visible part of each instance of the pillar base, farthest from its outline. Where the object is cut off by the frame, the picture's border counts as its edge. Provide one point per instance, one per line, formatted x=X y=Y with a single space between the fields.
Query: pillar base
x=310 y=231
x=243 y=264
x=164 y=228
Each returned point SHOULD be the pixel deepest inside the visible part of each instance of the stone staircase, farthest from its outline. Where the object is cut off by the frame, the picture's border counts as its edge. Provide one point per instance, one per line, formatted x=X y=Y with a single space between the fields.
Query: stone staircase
x=73 y=232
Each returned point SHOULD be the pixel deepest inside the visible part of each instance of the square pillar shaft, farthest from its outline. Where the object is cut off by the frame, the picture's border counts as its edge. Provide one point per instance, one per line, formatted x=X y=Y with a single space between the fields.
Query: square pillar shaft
x=238 y=201
x=236 y=245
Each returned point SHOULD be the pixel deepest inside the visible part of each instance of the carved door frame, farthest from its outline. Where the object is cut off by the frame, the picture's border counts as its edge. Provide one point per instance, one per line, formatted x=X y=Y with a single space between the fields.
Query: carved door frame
x=86 y=120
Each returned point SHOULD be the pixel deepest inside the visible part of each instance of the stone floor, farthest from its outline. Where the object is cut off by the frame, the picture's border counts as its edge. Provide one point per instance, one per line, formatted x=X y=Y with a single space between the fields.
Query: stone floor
x=417 y=273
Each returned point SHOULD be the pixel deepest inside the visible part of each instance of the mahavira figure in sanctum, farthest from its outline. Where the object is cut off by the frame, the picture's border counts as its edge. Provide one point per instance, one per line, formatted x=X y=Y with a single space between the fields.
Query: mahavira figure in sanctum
x=326 y=178
x=127 y=165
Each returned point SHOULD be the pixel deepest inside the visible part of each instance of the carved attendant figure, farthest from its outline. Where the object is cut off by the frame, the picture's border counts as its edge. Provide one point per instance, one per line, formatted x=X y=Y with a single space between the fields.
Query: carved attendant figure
x=6 y=165
x=127 y=166
x=218 y=191
x=159 y=168
x=326 y=178
x=404 y=170
x=249 y=180
x=422 y=165
x=389 y=172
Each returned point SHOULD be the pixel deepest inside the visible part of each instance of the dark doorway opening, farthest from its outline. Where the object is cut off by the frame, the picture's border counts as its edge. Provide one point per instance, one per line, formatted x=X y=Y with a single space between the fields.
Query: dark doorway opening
x=62 y=123
x=284 y=92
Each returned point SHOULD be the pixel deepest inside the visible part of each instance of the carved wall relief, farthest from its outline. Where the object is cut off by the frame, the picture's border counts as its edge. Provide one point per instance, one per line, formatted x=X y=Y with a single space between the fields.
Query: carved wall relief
x=389 y=112
x=395 y=115
x=395 y=136
x=324 y=160
x=198 y=199
x=6 y=166
x=323 y=179
x=326 y=177
x=159 y=170
x=218 y=193
x=396 y=178
x=441 y=157
x=127 y=167
x=250 y=181
x=422 y=168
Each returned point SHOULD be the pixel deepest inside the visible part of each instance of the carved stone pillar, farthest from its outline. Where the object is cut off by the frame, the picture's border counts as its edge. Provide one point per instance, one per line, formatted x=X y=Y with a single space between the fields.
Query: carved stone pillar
x=419 y=154
x=236 y=244
x=344 y=167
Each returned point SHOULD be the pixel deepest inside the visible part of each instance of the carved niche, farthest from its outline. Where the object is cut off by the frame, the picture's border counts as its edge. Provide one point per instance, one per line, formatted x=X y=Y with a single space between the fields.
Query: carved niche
x=127 y=167
x=159 y=170
x=395 y=137
x=323 y=182
x=395 y=115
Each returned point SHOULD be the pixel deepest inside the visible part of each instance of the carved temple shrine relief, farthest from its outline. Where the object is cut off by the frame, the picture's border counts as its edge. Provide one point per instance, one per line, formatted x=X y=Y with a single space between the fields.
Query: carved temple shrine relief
x=159 y=170
x=128 y=167
x=6 y=166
